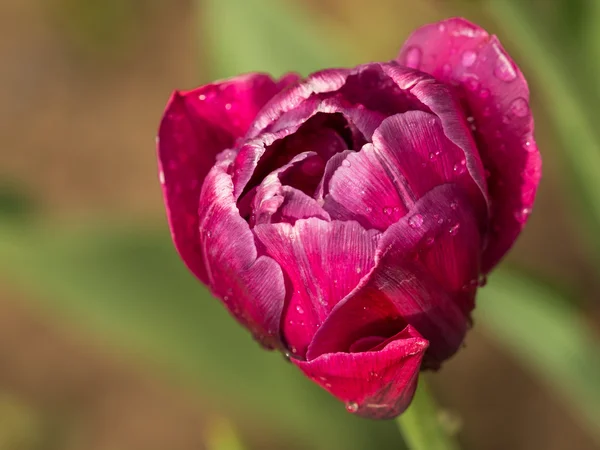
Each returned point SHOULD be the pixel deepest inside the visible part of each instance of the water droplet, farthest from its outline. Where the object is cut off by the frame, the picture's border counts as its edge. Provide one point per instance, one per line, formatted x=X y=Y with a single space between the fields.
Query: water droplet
x=387 y=211
x=346 y=163
x=369 y=210
x=415 y=221
x=227 y=106
x=459 y=169
x=482 y=281
x=519 y=107
x=484 y=93
x=453 y=205
x=413 y=57
x=441 y=27
x=358 y=270
x=504 y=69
x=294 y=350
x=522 y=214
x=446 y=70
x=299 y=309
x=208 y=234
x=432 y=156
x=468 y=58
x=226 y=298
x=472 y=84
x=528 y=146
x=327 y=385
x=470 y=119
x=352 y=407
x=202 y=97
x=454 y=229
x=161 y=177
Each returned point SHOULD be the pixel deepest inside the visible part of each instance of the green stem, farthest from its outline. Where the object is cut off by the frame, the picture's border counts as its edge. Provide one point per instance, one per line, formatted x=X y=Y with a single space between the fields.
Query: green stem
x=421 y=425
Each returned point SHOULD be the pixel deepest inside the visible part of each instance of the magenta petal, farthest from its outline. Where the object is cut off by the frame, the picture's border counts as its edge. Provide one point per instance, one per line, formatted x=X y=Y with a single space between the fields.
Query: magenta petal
x=377 y=384
x=196 y=126
x=323 y=261
x=368 y=188
x=252 y=288
x=422 y=264
x=233 y=104
x=415 y=144
x=495 y=93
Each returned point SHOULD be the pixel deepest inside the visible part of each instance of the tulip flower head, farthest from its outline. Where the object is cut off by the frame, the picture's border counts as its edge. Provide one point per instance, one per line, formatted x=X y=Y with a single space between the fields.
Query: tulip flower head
x=348 y=218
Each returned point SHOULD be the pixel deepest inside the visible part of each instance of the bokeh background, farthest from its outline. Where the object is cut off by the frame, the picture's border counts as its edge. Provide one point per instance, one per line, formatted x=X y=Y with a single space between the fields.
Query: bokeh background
x=107 y=343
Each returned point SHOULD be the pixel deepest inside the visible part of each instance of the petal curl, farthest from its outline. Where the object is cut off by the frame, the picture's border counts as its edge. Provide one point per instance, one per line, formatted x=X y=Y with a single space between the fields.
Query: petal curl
x=196 y=126
x=323 y=261
x=421 y=265
x=495 y=94
x=251 y=287
x=378 y=383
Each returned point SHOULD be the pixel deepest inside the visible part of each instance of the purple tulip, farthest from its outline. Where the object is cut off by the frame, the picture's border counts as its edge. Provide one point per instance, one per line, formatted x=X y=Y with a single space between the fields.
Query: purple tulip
x=348 y=218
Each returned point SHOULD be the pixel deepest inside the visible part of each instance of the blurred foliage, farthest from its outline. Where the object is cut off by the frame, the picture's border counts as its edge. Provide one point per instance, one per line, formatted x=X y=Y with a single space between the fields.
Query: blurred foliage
x=221 y=435
x=21 y=428
x=549 y=337
x=100 y=28
x=245 y=36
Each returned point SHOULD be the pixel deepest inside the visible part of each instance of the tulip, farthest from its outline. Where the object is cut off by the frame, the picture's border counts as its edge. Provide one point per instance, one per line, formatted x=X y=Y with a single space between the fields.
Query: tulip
x=348 y=218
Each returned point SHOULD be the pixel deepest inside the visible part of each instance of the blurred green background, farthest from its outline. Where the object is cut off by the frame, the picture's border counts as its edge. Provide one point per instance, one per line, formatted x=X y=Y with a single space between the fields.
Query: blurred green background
x=107 y=343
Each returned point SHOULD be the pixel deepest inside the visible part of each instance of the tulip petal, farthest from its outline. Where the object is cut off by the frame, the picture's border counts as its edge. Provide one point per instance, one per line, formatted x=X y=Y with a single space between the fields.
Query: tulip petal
x=323 y=262
x=274 y=202
x=421 y=265
x=377 y=383
x=196 y=126
x=367 y=189
x=495 y=94
x=251 y=287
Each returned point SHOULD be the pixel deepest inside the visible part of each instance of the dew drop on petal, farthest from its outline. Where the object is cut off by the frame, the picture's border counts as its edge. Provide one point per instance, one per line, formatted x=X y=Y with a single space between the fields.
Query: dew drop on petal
x=387 y=211
x=227 y=106
x=453 y=205
x=472 y=84
x=299 y=309
x=346 y=163
x=202 y=97
x=454 y=229
x=415 y=221
x=519 y=107
x=504 y=69
x=161 y=177
x=468 y=58
x=358 y=270
x=413 y=57
x=352 y=407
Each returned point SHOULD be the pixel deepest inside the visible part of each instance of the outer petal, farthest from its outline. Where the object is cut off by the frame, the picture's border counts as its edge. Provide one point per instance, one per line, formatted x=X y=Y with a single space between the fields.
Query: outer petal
x=495 y=94
x=422 y=264
x=251 y=287
x=196 y=126
x=323 y=261
x=378 y=383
